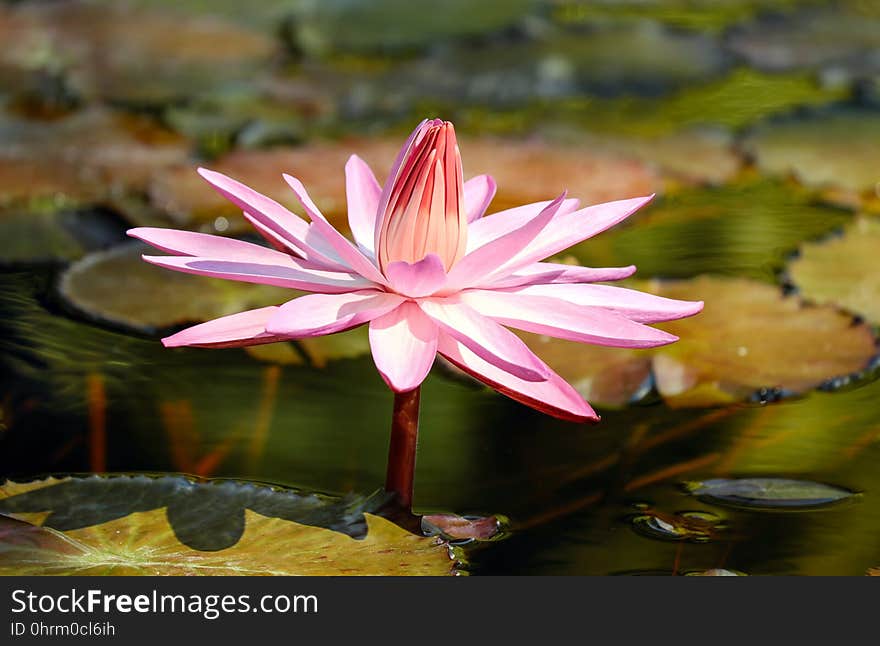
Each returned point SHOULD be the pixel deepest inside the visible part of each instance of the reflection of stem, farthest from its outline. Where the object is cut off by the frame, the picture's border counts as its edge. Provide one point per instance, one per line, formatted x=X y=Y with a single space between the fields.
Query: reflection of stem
x=402 y=449
x=96 y=397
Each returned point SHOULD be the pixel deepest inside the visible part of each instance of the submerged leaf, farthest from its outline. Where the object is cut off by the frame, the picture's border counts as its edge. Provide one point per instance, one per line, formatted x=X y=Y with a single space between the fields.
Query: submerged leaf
x=770 y=493
x=843 y=270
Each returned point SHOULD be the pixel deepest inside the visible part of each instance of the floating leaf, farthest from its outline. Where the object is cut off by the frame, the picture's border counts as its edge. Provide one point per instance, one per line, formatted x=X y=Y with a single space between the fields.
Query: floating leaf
x=769 y=493
x=459 y=528
x=742 y=229
x=843 y=270
x=715 y=572
x=86 y=157
x=833 y=150
x=691 y=526
x=141 y=544
x=204 y=514
x=136 y=55
x=810 y=39
x=749 y=337
x=119 y=287
x=525 y=172
x=382 y=25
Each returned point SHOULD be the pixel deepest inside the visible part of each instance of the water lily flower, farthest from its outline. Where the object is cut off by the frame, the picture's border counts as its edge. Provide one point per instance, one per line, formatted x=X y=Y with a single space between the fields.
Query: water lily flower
x=429 y=272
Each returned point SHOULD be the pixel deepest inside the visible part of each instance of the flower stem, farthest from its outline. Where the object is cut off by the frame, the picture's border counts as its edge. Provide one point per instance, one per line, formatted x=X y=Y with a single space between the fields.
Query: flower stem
x=402 y=450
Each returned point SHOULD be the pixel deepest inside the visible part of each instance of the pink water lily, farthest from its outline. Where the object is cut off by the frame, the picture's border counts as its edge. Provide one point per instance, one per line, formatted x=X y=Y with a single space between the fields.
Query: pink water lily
x=429 y=273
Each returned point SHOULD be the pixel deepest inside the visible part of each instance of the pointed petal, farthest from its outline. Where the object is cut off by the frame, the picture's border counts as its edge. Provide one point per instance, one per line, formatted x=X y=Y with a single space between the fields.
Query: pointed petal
x=294 y=275
x=404 y=344
x=362 y=192
x=350 y=254
x=484 y=262
x=633 y=304
x=418 y=279
x=490 y=227
x=190 y=243
x=572 y=228
x=485 y=338
x=553 y=273
x=564 y=320
x=553 y=396
x=318 y=314
x=236 y=330
x=478 y=193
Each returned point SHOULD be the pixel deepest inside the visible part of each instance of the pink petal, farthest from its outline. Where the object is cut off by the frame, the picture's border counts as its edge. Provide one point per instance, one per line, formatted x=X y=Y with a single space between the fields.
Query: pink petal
x=346 y=250
x=404 y=344
x=484 y=337
x=362 y=192
x=572 y=228
x=418 y=279
x=555 y=273
x=294 y=274
x=633 y=304
x=277 y=224
x=483 y=262
x=478 y=193
x=559 y=318
x=392 y=176
x=491 y=227
x=236 y=330
x=553 y=396
x=190 y=243
x=318 y=314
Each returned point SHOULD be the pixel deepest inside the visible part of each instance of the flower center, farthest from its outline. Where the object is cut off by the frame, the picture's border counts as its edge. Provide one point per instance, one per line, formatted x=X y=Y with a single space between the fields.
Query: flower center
x=424 y=212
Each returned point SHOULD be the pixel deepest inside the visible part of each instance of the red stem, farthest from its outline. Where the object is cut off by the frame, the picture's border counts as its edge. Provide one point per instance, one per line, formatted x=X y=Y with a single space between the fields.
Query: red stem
x=402 y=450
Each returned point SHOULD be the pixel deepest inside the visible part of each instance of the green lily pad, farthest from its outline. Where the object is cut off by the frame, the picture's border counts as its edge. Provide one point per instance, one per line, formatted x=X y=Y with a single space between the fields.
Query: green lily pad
x=174 y=526
x=842 y=270
x=640 y=58
x=833 y=150
x=741 y=229
x=712 y=15
x=348 y=26
x=748 y=339
x=117 y=286
x=769 y=493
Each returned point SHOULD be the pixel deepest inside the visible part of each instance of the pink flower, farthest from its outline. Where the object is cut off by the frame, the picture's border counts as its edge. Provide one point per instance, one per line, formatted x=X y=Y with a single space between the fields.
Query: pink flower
x=429 y=273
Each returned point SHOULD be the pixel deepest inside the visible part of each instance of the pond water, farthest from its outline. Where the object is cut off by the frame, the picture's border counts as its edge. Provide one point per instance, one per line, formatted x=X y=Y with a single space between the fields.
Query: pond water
x=764 y=210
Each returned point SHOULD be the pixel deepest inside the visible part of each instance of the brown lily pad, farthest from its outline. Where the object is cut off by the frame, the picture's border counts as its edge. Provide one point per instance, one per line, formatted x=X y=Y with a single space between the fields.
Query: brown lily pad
x=147 y=539
x=843 y=270
x=834 y=151
x=749 y=337
x=88 y=156
x=525 y=171
x=115 y=51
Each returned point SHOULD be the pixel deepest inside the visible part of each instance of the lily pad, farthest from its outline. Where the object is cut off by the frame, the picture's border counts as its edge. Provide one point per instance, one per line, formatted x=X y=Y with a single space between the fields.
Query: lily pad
x=525 y=171
x=769 y=493
x=809 y=40
x=117 y=286
x=88 y=156
x=641 y=58
x=174 y=526
x=397 y=25
x=742 y=229
x=131 y=54
x=843 y=270
x=749 y=337
x=833 y=150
